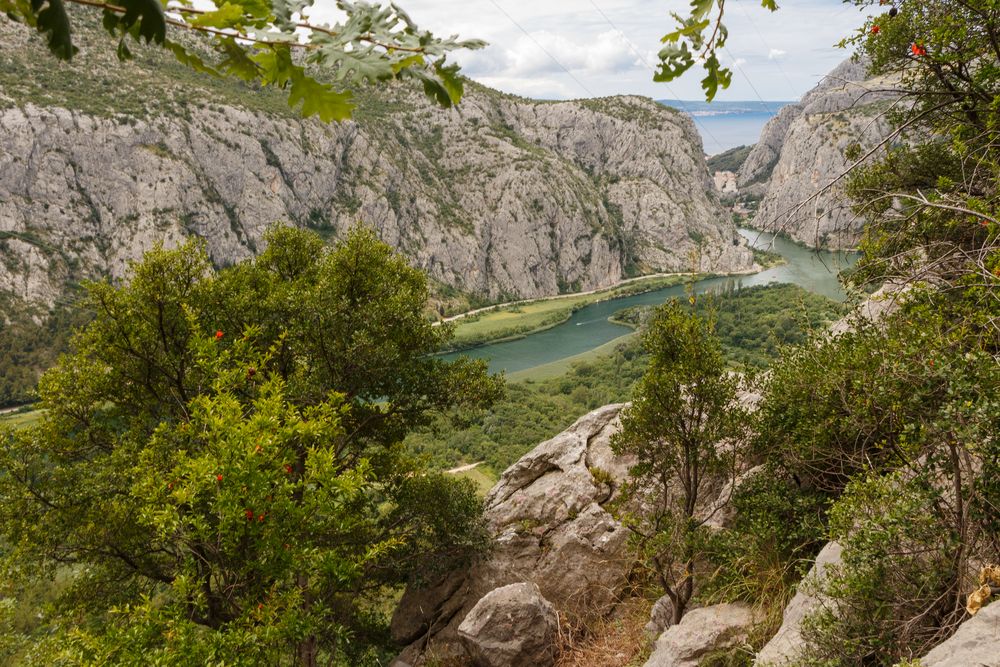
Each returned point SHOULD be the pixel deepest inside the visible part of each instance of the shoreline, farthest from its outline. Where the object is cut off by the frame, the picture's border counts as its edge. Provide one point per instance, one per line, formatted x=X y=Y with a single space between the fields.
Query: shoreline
x=609 y=288
x=603 y=294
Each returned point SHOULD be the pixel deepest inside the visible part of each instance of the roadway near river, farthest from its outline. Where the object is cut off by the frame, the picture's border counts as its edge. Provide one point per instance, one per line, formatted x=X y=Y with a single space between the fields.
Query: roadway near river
x=589 y=327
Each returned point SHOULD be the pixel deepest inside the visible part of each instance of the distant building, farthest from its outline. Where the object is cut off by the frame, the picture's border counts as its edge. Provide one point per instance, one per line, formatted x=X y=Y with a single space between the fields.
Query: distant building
x=725 y=182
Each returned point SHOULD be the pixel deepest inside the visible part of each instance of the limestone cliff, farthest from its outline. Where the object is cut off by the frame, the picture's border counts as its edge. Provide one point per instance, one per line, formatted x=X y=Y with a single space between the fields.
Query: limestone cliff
x=802 y=151
x=504 y=197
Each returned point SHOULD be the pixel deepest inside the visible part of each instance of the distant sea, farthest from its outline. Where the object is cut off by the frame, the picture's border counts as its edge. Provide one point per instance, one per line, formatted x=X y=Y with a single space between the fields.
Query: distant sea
x=725 y=125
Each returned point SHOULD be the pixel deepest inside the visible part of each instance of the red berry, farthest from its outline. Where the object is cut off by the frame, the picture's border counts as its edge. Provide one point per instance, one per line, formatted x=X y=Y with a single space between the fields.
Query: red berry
x=249 y=515
x=918 y=50
x=251 y=372
x=218 y=478
x=288 y=469
x=260 y=518
x=875 y=29
x=218 y=335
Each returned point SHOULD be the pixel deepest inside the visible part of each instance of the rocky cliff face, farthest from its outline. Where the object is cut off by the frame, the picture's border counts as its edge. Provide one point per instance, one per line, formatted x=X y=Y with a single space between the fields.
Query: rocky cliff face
x=802 y=151
x=504 y=197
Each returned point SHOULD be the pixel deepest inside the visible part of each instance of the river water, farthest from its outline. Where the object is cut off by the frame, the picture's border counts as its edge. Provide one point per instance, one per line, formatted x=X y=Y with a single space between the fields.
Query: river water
x=589 y=327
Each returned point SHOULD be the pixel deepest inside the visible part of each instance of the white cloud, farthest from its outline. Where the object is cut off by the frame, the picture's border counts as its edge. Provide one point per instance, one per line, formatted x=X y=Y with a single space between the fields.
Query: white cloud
x=597 y=41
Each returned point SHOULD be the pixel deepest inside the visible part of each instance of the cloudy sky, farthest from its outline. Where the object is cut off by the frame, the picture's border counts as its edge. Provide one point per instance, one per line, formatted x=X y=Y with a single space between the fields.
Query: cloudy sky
x=558 y=49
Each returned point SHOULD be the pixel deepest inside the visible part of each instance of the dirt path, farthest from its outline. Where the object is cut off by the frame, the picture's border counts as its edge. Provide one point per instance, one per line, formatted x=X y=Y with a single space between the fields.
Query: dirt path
x=470 y=466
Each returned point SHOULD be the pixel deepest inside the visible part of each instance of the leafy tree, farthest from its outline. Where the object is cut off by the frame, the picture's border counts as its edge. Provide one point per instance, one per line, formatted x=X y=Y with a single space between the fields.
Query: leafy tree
x=929 y=198
x=272 y=43
x=683 y=427
x=218 y=467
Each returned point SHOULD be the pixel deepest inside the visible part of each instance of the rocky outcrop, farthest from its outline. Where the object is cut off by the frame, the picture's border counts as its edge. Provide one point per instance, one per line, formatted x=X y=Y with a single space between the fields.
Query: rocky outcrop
x=503 y=197
x=511 y=626
x=550 y=529
x=879 y=305
x=700 y=632
x=784 y=647
x=975 y=644
x=761 y=160
x=803 y=151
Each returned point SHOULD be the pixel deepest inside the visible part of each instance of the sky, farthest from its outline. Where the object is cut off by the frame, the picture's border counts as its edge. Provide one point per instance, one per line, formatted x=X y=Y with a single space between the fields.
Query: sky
x=564 y=49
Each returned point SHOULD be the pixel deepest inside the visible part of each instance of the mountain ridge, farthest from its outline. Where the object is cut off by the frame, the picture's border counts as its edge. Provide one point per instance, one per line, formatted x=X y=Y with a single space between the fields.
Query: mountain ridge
x=502 y=197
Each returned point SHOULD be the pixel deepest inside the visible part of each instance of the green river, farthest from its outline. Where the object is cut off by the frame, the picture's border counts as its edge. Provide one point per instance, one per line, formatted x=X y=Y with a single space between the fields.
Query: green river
x=589 y=327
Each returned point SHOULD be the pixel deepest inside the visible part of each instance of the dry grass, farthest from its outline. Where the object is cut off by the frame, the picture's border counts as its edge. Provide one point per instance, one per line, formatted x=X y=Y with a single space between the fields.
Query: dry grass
x=614 y=642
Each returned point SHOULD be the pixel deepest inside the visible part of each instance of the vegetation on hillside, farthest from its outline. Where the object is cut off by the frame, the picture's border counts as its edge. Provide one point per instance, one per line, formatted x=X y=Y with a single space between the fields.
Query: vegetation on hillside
x=885 y=438
x=29 y=347
x=730 y=160
x=753 y=324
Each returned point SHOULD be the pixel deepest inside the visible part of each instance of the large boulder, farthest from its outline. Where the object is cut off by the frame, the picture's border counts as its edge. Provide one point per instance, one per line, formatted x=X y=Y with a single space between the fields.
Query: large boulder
x=700 y=632
x=512 y=626
x=550 y=528
x=975 y=644
x=784 y=647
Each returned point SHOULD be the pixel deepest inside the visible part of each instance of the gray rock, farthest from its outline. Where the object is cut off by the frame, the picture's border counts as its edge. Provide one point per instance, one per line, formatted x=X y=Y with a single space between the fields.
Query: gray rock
x=976 y=643
x=512 y=626
x=661 y=617
x=503 y=196
x=801 y=154
x=701 y=631
x=786 y=644
x=550 y=528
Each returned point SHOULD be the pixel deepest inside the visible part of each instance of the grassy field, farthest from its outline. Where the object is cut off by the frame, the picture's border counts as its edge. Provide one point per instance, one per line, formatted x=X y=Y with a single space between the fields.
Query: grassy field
x=483 y=477
x=20 y=419
x=525 y=318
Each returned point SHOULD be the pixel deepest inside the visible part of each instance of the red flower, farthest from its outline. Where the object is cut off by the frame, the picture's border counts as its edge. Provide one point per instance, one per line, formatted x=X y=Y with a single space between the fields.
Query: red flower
x=249 y=515
x=257 y=449
x=984 y=223
x=875 y=29
x=218 y=478
x=917 y=49
x=260 y=518
x=218 y=335
x=288 y=469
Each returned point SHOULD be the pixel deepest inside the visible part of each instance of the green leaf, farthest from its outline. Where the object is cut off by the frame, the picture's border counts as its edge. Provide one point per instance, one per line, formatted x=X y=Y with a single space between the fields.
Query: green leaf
x=226 y=16
x=148 y=14
x=319 y=99
x=700 y=8
x=275 y=63
x=361 y=65
x=769 y=4
x=236 y=62
x=188 y=58
x=717 y=77
x=54 y=21
x=450 y=79
x=123 y=51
